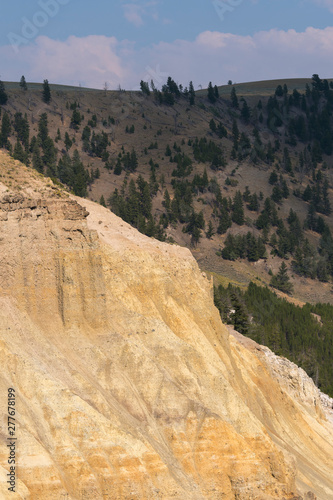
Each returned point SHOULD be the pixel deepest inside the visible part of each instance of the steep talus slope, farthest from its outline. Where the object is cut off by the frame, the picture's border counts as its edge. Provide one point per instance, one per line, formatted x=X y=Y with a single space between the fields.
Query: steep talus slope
x=128 y=385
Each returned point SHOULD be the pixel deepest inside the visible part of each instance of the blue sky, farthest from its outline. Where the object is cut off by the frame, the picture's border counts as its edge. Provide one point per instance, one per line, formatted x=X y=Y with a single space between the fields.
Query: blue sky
x=124 y=41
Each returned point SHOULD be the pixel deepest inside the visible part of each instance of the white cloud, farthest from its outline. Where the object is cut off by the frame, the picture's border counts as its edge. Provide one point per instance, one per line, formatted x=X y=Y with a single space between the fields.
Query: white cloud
x=91 y=60
x=270 y=54
x=212 y=56
x=135 y=12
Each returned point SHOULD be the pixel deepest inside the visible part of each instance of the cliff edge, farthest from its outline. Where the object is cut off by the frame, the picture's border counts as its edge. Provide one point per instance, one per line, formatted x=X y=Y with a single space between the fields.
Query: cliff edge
x=127 y=384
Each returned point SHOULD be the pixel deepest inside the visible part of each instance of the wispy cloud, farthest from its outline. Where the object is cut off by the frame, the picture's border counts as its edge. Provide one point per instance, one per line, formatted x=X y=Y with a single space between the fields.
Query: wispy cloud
x=325 y=3
x=136 y=11
x=133 y=13
x=212 y=56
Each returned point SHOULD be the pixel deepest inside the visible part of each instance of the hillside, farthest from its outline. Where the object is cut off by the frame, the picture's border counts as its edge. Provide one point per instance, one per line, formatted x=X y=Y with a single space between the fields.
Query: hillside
x=127 y=383
x=109 y=126
x=241 y=175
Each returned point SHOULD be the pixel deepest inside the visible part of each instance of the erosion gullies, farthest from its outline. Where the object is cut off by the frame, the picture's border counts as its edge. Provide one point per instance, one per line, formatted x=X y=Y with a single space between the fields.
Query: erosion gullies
x=127 y=383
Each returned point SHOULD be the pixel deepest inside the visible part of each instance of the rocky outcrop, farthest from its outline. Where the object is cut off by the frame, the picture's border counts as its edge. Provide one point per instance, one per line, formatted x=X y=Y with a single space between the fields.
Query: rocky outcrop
x=128 y=386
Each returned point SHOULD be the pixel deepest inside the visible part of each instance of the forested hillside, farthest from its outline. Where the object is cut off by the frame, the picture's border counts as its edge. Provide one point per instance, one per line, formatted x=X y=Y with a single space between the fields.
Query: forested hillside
x=236 y=178
x=243 y=179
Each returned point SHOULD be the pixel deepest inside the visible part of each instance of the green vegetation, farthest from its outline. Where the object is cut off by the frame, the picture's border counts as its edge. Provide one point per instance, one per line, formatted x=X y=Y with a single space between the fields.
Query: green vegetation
x=134 y=205
x=193 y=145
x=46 y=94
x=281 y=280
x=288 y=330
x=244 y=247
x=3 y=94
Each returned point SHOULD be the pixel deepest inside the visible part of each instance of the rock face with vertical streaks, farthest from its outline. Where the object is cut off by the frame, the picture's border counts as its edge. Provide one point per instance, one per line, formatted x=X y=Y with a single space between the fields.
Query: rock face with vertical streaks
x=128 y=386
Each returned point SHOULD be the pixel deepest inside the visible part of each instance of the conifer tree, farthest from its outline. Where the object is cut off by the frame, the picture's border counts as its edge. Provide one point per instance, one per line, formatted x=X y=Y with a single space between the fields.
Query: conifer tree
x=237 y=209
x=281 y=280
x=234 y=98
x=23 y=83
x=80 y=176
x=225 y=221
x=46 y=92
x=245 y=112
x=36 y=158
x=235 y=134
x=3 y=94
x=68 y=141
x=210 y=232
x=211 y=94
x=43 y=130
x=191 y=94
x=5 y=131
x=239 y=317
x=19 y=153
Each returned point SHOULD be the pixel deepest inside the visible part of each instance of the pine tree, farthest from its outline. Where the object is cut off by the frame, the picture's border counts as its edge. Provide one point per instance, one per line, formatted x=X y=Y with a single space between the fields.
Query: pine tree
x=281 y=280
x=43 y=130
x=144 y=86
x=46 y=92
x=3 y=95
x=225 y=221
x=245 y=112
x=212 y=125
x=19 y=153
x=80 y=176
x=21 y=126
x=5 y=131
x=23 y=83
x=167 y=201
x=210 y=232
x=235 y=134
x=234 y=98
x=211 y=94
x=191 y=94
x=68 y=141
x=237 y=209
x=65 y=170
x=239 y=316
x=50 y=157
x=36 y=159
x=76 y=119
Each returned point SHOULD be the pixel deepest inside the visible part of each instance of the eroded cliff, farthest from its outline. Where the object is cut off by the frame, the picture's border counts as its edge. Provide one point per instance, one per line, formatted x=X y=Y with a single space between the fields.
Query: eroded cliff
x=128 y=385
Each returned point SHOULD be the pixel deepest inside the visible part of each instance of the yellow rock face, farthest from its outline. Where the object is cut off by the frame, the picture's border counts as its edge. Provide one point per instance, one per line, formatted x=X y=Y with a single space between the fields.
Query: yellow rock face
x=128 y=386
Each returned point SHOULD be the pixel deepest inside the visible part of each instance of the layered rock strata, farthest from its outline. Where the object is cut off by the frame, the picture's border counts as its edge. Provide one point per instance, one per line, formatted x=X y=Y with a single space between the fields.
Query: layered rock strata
x=128 y=386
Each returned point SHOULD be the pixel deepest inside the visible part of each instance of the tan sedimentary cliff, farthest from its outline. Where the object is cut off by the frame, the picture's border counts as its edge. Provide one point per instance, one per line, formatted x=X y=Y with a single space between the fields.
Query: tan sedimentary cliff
x=128 y=385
